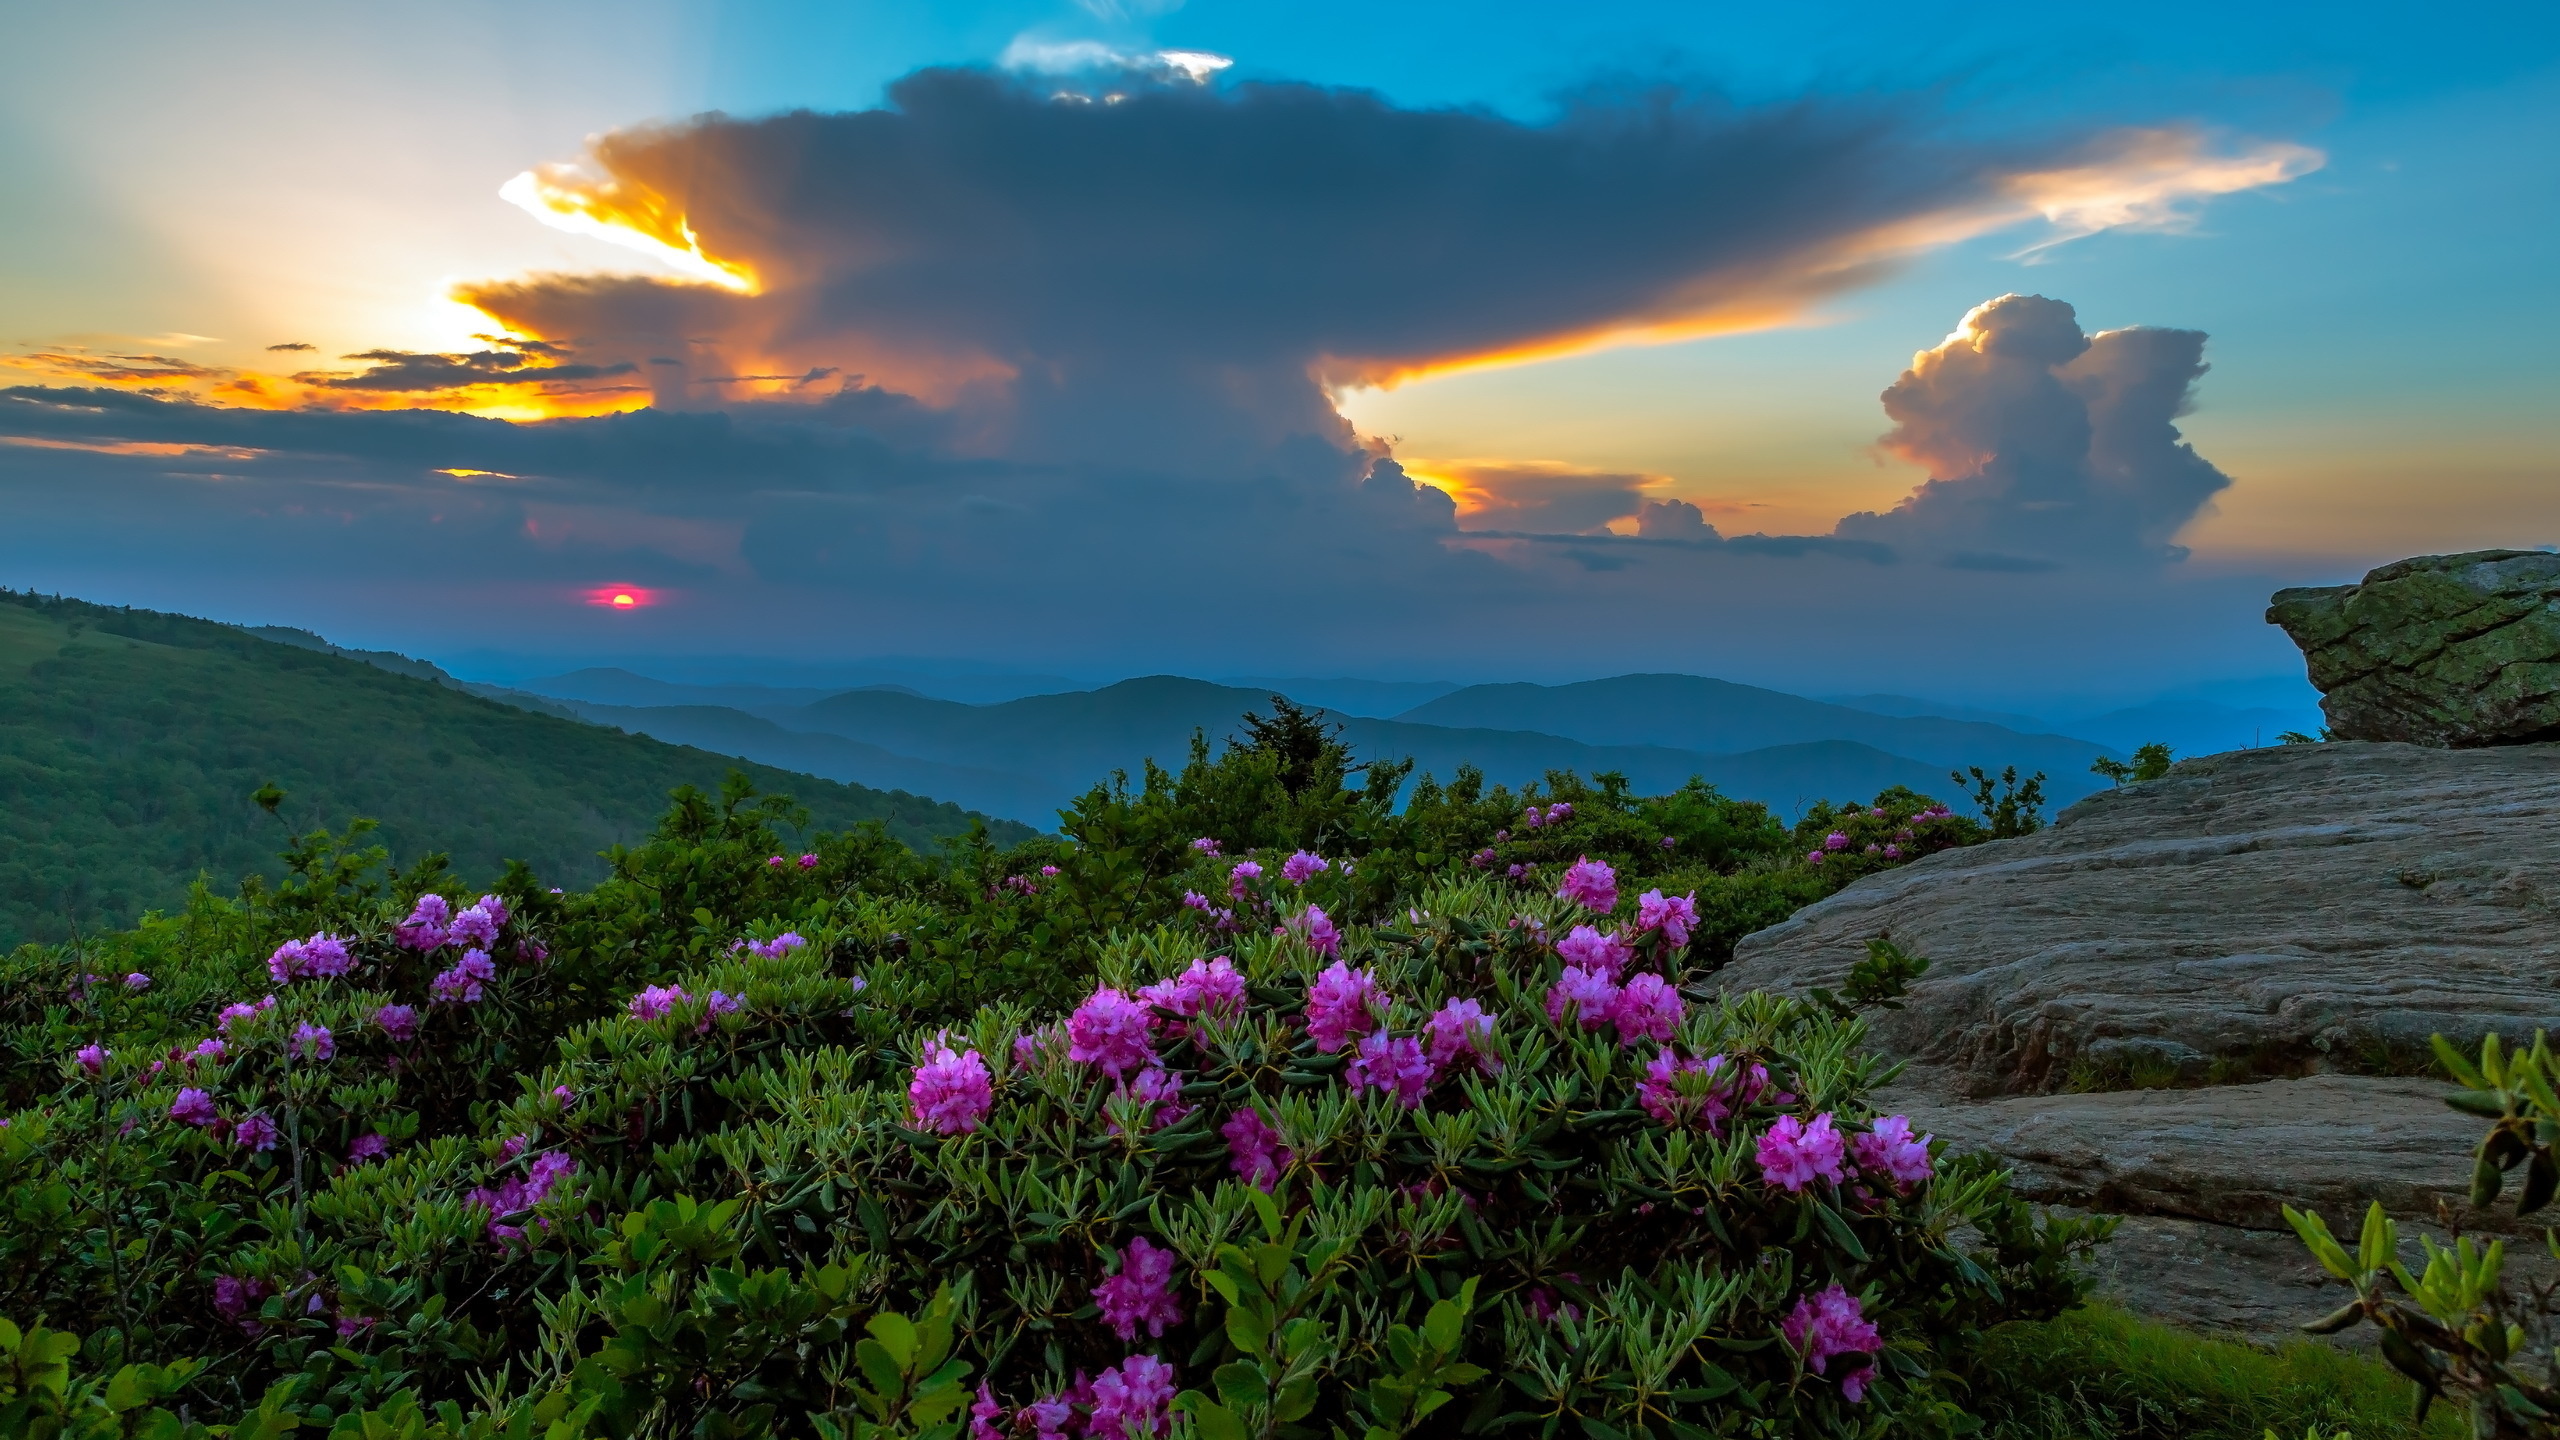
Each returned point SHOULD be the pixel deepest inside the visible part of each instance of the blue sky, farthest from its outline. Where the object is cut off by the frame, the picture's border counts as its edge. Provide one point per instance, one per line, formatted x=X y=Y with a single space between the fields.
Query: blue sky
x=203 y=186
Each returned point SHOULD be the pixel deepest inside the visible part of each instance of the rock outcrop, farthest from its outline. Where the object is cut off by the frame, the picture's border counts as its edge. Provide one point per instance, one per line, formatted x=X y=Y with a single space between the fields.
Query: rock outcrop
x=2452 y=650
x=2202 y=998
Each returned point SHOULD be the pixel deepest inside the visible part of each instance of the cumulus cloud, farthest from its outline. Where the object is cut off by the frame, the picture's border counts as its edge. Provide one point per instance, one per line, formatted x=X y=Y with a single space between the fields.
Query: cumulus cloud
x=2044 y=444
x=1673 y=520
x=1168 y=274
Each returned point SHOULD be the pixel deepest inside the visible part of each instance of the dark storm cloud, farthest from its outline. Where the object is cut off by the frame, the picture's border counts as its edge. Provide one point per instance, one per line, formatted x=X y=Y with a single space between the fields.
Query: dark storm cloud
x=2044 y=444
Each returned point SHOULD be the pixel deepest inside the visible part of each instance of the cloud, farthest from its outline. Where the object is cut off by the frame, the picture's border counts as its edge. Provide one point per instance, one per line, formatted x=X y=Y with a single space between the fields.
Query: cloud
x=1537 y=496
x=1167 y=274
x=405 y=370
x=2044 y=444
x=1673 y=520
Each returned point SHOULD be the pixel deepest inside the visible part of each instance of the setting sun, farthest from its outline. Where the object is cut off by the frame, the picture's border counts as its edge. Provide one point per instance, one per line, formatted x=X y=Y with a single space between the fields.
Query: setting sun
x=621 y=597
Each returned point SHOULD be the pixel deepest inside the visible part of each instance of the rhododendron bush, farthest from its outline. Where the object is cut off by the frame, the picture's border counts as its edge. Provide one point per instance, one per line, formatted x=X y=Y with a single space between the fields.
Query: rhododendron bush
x=822 y=1138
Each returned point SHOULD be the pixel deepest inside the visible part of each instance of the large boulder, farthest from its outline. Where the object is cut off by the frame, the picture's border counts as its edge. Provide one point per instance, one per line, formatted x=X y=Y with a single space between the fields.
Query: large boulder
x=2451 y=650
x=2197 y=1000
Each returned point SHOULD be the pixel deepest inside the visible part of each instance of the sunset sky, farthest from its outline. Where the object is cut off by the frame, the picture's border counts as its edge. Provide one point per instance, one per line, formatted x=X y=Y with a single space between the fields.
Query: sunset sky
x=1115 y=337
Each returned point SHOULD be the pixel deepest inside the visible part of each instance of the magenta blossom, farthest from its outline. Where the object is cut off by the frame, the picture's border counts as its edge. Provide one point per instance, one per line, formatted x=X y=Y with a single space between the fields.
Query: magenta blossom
x=208 y=1051
x=1393 y=1063
x=1031 y=1045
x=519 y=1193
x=1830 y=1322
x=1317 y=929
x=717 y=1004
x=1646 y=1009
x=1208 y=988
x=1302 y=867
x=1157 y=1089
x=1888 y=1152
x=92 y=1058
x=1112 y=1033
x=479 y=924
x=1254 y=1149
x=1604 y=955
x=192 y=1107
x=1457 y=1034
x=464 y=983
x=1130 y=1400
x=983 y=1414
x=654 y=1002
x=400 y=1022
x=232 y=1014
x=1795 y=1153
x=1205 y=846
x=1342 y=1005
x=1729 y=1090
x=1590 y=884
x=368 y=1146
x=1835 y=841
x=137 y=981
x=951 y=1091
x=779 y=946
x=235 y=1298
x=255 y=1133
x=1141 y=1294
x=1590 y=996
x=808 y=862
x=313 y=1042
x=427 y=927
x=1673 y=915
x=1241 y=878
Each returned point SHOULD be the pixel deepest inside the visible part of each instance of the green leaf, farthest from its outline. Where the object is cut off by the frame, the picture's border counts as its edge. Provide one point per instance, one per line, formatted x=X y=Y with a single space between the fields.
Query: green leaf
x=884 y=1373
x=1247 y=1329
x=897 y=1336
x=2456 y=1064
x=1241 y=1384
x=1839 y=1231
x=1211 y=1420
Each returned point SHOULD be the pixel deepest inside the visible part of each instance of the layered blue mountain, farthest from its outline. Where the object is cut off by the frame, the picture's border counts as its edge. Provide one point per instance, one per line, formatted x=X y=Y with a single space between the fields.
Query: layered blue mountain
x=1026 y=758
x=1692 y=712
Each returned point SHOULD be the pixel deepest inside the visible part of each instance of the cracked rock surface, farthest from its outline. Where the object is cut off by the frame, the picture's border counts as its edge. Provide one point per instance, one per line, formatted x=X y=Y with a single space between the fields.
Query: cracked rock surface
x=2198 y=1000
x=2452 y=650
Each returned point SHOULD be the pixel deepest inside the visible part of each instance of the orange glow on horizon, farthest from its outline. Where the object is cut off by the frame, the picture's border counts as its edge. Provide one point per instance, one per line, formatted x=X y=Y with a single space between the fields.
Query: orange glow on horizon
x=622 y=597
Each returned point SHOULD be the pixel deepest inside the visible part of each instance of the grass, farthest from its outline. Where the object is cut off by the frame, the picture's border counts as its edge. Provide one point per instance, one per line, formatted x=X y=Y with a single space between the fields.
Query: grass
x=2101 y=1373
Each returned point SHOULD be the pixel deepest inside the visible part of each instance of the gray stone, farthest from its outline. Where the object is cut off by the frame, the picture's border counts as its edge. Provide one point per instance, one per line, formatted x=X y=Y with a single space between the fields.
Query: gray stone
x=2243 y=935
x=2284 y=911
x=2451 y=650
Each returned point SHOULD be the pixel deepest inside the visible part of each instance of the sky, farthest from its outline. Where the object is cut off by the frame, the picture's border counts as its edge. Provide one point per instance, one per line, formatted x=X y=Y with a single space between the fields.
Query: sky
x=2005 y=354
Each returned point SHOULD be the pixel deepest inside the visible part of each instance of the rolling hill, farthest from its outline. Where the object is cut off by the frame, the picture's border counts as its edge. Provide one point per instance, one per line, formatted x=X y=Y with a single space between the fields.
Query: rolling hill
x=130 y=742
x=1025 y=758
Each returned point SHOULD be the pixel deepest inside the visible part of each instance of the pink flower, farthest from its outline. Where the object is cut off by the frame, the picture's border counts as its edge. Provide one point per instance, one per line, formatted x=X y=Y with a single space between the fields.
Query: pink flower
x=1594 y=952
x=1254 y=1149
x=1130 y=1400
x=1194 y=900
x=983 y=1414
x=232 y=1014
x=427 y=927
x=720 y=1003
x=808 y=862
x=1241 y=877
x=1559 y=812
x=255 y=1133
x=1342 y=1005
x=1794 y=1153
x=285 y=963
x=1141 y=1294
x=1393 y=1063
x=313 y=1042
x=208 y=1051
x=1205 y=846
x=478 y=926
x=779 y=946
x=1316 y=928
x=775 y=862
x=1298 y=869
x=952 y=1090
x=1673 y=915
x=1113 y=1033
x=1647 y=1009
x=1048 y=869
x=1888 y=1152
x=462 y=985
x=234 y=1298
x=1483 y=859
x=1209 y=988
x=137 y=981
x=192 y=1107
x=654 y=1002
x=513 y=1146
x=326 y=956
x=1031 y=1045
x=1831 y=1322
x=1591 y=997
x=1853 y=1384
x=1159 y=1090
x=92 y=1058
x=1729 y=1090
x=1456 y=1035
x=368 y=1146
x=400 y=1022
x=517 y=1194
x=1835 y=841
x=1591 y=885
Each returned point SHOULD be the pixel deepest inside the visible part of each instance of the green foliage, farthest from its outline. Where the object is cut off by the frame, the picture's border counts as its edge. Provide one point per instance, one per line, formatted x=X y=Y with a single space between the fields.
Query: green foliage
x=2150 y=762
x=2010 y=807
x=2456 y=1327
x=129 y=739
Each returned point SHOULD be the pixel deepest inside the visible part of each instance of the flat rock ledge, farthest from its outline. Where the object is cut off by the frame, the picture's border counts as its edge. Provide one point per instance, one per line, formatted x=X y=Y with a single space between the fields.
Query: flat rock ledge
x=2195 y=1001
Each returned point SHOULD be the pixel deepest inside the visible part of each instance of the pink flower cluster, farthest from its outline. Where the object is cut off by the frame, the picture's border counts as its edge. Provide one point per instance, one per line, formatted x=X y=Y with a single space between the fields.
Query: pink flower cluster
x=255 y=1133
x=1888 y=1152
x=1302 y=867
x=1646 y=1007
x=1254 y=1148
x=1112 y=1033
x=92 y=1058
x=656 y=1001
x=952 y=1090
x=400 y=1022
x=1456 y=1034
x=432 y=924
x=1727 y=1090
x=232 y=1014
x=1240 y=879
x=1205 y=846
x=313 y=1042
x=1555 y=814
x=1141 y=1295
x=322 y=956
x=1210 y=989
x=1131 y=1400
x=1343 y=1005
x=1673 y=915
x=1317 y=929
x=1797 y=1152
x=519 y=1193
x=1590 y=884
x=464 y=983
x=1829 y=1323
x=1393 y=1063
x=777 y=947
x=193 y=1107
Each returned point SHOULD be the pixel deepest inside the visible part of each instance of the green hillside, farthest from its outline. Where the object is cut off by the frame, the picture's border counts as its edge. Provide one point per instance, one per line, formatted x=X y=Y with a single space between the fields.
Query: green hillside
x=130 y=742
